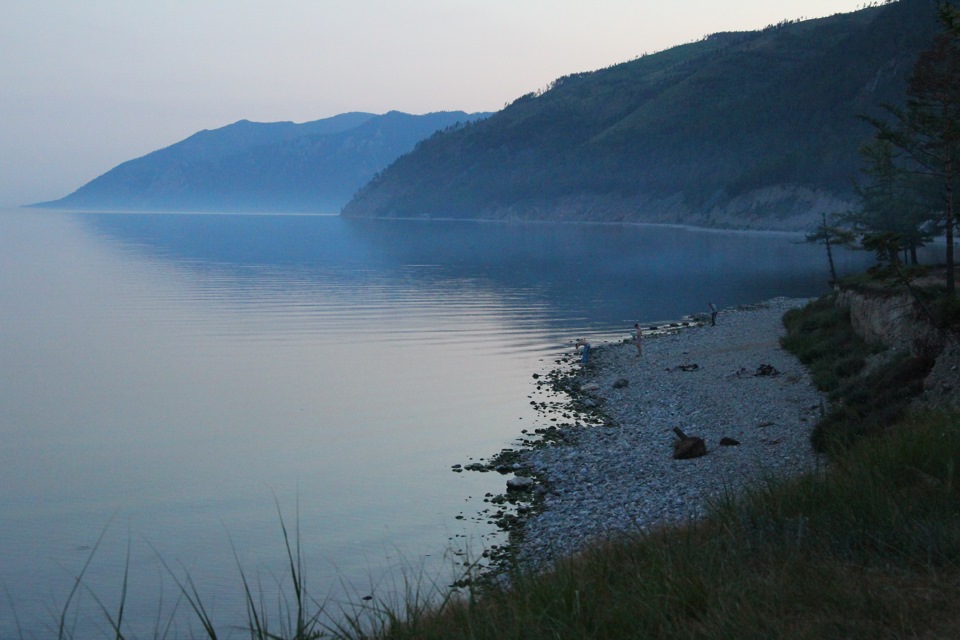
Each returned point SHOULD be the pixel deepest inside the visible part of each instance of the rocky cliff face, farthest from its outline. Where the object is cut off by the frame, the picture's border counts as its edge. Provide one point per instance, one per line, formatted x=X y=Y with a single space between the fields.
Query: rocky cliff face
x=897 y=321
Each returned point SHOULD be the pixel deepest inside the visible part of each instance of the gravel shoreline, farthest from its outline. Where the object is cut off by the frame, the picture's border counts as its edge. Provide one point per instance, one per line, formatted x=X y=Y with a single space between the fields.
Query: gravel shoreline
x=622 y=477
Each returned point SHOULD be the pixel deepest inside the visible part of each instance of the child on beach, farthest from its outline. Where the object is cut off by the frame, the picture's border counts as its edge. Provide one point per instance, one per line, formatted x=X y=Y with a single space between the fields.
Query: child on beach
x=639 y=339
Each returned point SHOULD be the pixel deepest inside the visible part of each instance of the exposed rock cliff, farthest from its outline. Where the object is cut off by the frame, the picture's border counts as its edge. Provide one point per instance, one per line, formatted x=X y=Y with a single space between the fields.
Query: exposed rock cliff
x=894 y=319
x=898 y=321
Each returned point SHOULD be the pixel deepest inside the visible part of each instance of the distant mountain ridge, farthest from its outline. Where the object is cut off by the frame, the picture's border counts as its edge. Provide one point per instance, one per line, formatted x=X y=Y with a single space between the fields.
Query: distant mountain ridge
x=271 y=167
x=747 y=130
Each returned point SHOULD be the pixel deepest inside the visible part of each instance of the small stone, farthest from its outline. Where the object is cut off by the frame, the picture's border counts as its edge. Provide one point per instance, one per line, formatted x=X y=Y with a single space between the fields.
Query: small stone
x=729 y=442
x=621 y=383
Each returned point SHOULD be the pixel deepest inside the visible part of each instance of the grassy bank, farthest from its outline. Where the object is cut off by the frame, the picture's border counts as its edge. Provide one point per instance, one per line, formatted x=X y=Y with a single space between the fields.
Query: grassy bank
x=863 y=400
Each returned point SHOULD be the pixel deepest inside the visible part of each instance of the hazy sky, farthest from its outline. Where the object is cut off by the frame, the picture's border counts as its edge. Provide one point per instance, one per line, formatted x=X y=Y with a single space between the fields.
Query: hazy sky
x=88 y=84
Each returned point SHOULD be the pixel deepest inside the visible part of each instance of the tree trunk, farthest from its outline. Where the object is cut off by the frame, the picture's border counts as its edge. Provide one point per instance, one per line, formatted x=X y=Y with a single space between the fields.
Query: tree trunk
x=833 y=270
x=948 y=193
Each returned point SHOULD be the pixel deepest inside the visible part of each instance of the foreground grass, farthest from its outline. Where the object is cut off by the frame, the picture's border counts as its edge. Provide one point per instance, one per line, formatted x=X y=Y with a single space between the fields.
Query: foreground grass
x=869 y=549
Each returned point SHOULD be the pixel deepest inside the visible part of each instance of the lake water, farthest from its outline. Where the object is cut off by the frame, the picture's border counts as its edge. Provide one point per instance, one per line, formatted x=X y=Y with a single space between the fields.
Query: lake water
x=179 y=383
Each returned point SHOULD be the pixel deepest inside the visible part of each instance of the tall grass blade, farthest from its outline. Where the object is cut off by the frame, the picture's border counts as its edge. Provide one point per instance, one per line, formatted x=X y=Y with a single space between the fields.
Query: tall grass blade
x=78 y=580
x=256 y=628
x=192 y=596
x=116 y=624
x=13 y=611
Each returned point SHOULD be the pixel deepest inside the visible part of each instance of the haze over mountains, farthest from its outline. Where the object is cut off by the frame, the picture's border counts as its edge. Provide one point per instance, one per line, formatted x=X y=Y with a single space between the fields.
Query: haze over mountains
x=270 y=167
x=752 y=129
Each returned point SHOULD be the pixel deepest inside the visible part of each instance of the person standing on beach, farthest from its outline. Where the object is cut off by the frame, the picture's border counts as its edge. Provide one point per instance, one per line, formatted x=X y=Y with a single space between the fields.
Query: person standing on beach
x=713 y=315
x=583 y=344
x=639 y=339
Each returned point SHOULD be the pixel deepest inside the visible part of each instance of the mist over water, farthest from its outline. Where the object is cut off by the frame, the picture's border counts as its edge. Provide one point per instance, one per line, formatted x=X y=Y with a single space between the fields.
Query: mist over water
x=174 y=380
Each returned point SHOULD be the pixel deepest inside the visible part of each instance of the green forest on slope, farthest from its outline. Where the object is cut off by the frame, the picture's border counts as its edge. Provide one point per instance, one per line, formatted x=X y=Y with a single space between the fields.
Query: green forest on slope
x=748 y=129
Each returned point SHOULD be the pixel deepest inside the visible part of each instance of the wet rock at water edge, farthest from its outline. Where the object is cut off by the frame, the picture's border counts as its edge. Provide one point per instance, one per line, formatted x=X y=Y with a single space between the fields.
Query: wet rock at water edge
x=520 y=483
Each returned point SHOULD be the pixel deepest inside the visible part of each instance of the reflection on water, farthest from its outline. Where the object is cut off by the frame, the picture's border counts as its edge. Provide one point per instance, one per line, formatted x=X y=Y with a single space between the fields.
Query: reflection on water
x=180 y=377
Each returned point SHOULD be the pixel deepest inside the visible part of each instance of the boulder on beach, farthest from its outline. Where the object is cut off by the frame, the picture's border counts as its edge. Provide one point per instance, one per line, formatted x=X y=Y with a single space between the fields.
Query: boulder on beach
x=520 y=483
x=688 y=446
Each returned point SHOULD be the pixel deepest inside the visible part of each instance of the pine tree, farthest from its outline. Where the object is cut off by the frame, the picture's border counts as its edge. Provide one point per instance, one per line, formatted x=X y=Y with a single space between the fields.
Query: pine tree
x=924 y=137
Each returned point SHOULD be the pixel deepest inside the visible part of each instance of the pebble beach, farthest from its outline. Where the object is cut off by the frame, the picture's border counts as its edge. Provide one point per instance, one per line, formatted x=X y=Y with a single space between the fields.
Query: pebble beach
x=730 y=382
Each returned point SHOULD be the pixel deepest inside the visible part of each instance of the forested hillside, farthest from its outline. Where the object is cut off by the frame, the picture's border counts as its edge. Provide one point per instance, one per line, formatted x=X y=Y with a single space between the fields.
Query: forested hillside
x=253 y=166
x=751 y=129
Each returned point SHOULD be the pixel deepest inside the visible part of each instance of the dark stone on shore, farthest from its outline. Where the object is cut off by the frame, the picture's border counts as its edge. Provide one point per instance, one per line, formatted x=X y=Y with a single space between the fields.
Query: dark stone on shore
x=621 y=383
x=520 y=483
x=729 y=442
x=688 y=447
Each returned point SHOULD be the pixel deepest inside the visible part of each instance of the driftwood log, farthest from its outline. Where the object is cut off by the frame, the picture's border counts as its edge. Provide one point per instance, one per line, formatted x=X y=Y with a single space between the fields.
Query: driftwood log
x=688 y=446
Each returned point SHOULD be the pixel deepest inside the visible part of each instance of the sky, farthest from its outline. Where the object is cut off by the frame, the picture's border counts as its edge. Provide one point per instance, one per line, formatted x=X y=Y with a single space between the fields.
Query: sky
x=88 y=84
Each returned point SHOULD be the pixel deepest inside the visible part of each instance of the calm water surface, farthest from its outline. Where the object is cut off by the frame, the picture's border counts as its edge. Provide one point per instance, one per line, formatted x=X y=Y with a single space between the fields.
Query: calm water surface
x=177 y=383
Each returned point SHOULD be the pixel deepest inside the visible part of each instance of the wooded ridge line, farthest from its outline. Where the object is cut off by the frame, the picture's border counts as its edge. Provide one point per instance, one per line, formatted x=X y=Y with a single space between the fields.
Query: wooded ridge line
x=755 y=129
